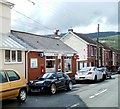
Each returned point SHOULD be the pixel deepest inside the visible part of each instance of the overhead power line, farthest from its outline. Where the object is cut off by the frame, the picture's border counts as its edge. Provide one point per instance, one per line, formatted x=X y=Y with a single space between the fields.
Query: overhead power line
x=33 y=20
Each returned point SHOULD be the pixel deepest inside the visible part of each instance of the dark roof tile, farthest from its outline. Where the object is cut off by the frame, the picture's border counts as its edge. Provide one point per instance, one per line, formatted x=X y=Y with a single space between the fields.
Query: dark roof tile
x=41 y=42
x=87 y=39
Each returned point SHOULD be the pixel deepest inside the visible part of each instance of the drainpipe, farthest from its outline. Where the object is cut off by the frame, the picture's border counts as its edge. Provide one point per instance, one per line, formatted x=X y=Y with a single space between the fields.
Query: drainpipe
x=27 y=65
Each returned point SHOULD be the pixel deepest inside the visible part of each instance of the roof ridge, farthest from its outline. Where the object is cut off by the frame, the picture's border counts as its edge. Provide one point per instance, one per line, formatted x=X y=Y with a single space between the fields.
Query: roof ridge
x=23 y=32
x=84 y=36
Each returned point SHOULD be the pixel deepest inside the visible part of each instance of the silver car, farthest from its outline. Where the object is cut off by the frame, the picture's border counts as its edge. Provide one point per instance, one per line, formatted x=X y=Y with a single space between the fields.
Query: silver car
x=118 y=71
x=107 y=74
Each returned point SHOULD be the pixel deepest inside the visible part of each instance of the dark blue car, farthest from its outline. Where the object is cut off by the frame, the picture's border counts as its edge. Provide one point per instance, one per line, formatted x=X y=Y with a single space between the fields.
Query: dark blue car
x=50 y=82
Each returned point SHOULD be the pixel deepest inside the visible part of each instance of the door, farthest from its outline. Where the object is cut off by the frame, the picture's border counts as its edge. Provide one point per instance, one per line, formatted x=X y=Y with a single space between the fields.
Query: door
x=98 y=74
x=4 y=86
x=61 y=80
x=15 y=82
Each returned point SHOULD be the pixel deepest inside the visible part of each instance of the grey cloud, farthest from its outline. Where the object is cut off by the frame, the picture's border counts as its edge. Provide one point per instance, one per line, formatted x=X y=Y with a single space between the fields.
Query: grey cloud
x=73 y=14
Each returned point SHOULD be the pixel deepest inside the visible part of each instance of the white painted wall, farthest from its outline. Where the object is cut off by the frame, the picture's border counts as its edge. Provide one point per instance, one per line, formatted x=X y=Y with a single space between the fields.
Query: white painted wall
x=5 y=18
x=20 y=67
x=1 y=59
x=78 y=45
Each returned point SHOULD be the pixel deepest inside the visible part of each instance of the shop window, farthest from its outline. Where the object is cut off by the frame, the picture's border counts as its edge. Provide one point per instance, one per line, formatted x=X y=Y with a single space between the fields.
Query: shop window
x=59 y=65
x=68 y=64
x=50 y=64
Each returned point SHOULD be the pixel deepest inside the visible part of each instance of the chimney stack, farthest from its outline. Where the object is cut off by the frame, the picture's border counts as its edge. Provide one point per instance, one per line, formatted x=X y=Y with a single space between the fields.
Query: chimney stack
x=57 y=34
x=70 y=30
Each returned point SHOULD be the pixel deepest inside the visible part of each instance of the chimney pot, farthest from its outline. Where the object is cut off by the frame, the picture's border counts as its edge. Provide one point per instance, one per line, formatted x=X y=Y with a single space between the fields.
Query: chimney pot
x=57 y=34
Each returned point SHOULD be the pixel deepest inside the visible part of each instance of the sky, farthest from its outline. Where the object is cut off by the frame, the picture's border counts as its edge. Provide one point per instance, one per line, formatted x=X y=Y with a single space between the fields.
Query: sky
x=45 y=16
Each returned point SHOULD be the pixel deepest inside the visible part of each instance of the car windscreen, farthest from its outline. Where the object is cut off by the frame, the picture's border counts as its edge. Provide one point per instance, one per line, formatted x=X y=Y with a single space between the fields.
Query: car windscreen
x=49 y=76
x=86 y=69
x=101 y=69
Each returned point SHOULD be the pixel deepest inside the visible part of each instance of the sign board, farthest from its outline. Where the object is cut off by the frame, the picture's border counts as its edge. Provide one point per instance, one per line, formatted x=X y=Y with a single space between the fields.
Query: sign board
x=41 y=54
x=33 y=63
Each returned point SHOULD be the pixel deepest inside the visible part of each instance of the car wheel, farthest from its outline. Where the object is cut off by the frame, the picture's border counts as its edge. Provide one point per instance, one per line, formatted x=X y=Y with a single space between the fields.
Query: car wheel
x=103 y=77
x=95 y=78
x=53 y=89
x=70 y=86
x=110 y=77
x=22 y=95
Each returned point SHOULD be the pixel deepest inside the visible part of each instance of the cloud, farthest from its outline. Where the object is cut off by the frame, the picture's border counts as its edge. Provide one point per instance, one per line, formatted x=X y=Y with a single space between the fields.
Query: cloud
x=82 y=16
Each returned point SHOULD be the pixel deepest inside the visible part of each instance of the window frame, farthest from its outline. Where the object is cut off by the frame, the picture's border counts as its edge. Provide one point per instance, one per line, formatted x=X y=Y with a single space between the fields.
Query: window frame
x=50 y=69
x=7 y=60
x=33 y=63
x=11 y=58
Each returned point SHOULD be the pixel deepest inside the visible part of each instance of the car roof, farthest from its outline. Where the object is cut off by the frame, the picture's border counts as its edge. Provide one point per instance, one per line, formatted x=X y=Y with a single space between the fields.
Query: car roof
x=54 y=72
x=89 y=67
x=6 y=69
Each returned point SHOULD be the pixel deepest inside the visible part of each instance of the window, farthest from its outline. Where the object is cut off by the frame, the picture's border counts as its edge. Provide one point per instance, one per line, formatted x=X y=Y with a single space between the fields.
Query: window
x=92 y=50
x=3 y=77
x=50 y=64
x=60 y=75
x=19 y=56
x=59 y=65
x=68 y=64
x=12 y=75
x=49 y=76
x=95 y=51
x=66 y=76
x=13 y=56
x=7 y=55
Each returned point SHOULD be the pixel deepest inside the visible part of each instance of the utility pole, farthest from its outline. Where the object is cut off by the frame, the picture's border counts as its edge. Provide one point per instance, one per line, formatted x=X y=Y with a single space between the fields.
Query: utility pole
x=98 y=46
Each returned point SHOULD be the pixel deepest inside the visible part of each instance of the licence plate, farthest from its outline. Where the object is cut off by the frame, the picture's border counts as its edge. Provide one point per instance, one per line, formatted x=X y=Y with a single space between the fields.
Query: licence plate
x=35 y=90
x=82 y=78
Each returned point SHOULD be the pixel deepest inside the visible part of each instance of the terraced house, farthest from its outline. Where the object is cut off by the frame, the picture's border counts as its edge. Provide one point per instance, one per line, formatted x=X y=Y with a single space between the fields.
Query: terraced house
x=86 y=48
x=109 y=57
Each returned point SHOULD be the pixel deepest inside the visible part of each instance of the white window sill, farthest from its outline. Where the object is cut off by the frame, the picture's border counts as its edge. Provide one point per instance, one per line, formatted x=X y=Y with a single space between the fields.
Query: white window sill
x=13 y=62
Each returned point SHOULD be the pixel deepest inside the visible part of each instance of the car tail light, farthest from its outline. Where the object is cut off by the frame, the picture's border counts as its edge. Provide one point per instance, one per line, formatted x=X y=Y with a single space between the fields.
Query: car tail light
x=89 y=73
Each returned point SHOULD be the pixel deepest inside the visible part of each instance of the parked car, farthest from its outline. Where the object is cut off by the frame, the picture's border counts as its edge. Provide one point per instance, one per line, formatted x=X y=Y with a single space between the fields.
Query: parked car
x=50 y=82
x=12 y=84
x=118 y=71
x=89 y=73
x=106 y=73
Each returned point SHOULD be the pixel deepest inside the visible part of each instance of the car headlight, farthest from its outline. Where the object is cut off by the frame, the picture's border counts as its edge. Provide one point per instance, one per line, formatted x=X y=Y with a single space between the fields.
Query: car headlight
x=30 y=82
x=46 y=83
